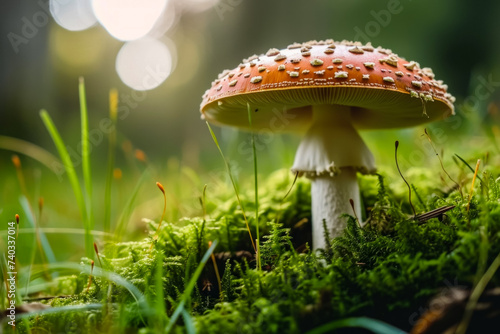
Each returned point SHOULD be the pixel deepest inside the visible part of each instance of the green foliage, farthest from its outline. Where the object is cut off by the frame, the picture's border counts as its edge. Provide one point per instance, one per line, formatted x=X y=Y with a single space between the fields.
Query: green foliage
x=386 y=270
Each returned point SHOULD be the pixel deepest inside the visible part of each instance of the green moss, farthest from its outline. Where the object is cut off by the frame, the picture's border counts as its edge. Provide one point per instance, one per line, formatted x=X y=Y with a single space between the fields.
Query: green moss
x=387 y=270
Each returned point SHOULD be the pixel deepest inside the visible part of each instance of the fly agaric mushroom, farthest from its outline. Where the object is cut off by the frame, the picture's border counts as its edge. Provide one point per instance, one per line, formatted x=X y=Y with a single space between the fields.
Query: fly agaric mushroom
x=328 y=90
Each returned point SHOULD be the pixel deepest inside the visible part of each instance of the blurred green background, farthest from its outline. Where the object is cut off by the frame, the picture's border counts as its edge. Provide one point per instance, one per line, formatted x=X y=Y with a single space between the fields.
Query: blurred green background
x=41 y=62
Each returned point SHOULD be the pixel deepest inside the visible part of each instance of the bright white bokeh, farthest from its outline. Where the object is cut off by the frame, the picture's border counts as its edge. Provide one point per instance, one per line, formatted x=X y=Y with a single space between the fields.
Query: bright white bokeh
x=198 y=5
x=74 y=15
x=145 y=63
x=128 y=20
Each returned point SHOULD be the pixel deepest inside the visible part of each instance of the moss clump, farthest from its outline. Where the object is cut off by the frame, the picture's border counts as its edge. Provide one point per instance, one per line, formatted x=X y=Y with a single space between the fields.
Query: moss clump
x=387 y=270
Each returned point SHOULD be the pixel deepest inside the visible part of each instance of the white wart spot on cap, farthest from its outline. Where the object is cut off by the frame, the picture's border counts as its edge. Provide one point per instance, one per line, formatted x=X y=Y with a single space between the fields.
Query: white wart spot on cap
x=272 y=52
x=316 y=62
x=233 y=83
x=356 y=50
x=281 y=68
x=280 y=57
x=369 y=65
x=368 y=48
x=410 y=66
x=416 y=83
x=294 y=74
x=337 y=61
x=388 y=79
x=294 y=46
x=256 y=79
x=391 y=60
x=341 y=75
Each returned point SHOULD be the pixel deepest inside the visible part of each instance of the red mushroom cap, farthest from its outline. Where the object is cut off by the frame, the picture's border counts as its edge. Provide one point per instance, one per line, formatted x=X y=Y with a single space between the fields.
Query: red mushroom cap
x=382 y=89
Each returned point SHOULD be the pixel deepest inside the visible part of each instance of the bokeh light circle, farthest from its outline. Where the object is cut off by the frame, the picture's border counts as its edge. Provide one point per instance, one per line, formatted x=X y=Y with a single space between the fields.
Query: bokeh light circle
x=144 y=64
x=128 y=20
x=73 y=15
x=202 y=5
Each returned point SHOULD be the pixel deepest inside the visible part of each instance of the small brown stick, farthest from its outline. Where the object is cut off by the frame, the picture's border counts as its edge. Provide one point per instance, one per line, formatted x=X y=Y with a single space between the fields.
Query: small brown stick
x=433 y=213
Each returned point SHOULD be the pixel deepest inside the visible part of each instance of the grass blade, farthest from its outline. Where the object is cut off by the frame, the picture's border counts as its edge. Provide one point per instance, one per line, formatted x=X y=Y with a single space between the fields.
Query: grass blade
x=189 y=288
x=407 y=184
x=87 y=173
x=373 y=325
x=72 y=267
x=113 y=111
x=69 y=308
x=476 y=293
x=188 y=322
x=466 y=164
x=256 y=184
x=228 y=169
x=58 y=230
x=129 y=207
x=73 y=179
x=31 y=150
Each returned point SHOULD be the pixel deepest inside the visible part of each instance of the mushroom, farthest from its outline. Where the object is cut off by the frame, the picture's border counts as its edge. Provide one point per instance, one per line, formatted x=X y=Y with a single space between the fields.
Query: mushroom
x=328 y=90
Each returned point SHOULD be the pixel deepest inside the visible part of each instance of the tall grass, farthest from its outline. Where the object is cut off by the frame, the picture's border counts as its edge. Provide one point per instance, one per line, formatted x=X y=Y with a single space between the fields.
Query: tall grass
x=113 y=111
x=228 y=169
x=189 y=289
x=73 y=179
x=87 y=173
x=256 y=184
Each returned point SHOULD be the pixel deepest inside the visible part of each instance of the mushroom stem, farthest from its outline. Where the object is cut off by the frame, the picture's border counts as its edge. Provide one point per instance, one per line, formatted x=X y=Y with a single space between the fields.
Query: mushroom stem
x=330 y=200
x=330 y=154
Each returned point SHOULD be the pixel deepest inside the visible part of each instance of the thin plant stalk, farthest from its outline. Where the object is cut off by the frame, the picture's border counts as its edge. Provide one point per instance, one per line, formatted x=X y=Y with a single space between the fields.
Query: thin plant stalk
x=228 y=169
x=129 y=207
x=73 y=179
x=113 y=111
x=87 y=173
x=472 y=185
x=216 y=269
x=256 y=184
x=189 y=288
x=468 y=166
x=476 y=293
x=441 y=163
x=407 y=184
